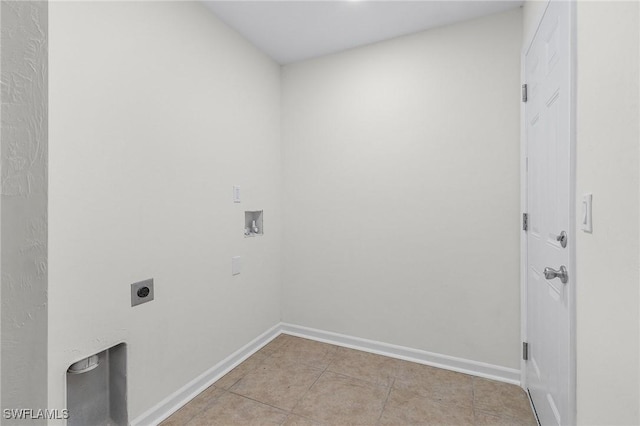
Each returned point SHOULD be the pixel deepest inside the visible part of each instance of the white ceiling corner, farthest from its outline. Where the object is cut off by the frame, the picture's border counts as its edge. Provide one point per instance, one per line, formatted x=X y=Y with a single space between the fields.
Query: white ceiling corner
x=291 y=31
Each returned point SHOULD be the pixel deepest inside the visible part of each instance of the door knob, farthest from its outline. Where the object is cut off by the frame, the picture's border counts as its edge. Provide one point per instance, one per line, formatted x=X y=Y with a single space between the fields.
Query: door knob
x=562 y=239
x=550 y=273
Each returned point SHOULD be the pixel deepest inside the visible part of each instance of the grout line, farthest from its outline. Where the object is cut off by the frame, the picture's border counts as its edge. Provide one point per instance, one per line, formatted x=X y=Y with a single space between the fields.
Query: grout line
x=491 y=413
x=228 y=389
x=309 y=388
x=473 y=399
x=242 y=376
x=285 y=419
x=232 y=385
x=331 y=358
x=360 y=379
x=205 y=408
x=261 y=402
x=386 y=400
x=288 y=412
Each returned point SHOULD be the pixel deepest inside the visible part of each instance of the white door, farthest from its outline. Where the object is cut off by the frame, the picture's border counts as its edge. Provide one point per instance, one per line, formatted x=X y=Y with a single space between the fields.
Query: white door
x=548 y=141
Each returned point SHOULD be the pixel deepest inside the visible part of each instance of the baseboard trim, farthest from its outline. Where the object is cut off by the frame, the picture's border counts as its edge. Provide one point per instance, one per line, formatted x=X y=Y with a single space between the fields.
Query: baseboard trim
x=461 y=365
x=175 y=401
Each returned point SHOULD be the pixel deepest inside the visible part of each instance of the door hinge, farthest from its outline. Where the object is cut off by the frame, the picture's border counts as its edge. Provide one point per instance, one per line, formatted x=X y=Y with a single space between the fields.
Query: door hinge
x=524 y=93
x=525 y=221
x=525 y=351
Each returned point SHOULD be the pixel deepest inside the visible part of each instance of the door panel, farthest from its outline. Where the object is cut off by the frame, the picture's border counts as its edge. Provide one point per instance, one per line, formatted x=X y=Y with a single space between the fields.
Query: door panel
x=547 y=121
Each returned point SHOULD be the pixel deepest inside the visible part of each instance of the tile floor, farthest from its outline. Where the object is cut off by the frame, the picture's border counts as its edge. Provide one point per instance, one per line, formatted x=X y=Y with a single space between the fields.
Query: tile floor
x=294 y=381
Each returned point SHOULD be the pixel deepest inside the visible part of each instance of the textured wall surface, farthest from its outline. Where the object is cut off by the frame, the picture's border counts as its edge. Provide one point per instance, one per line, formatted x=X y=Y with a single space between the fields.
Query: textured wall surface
x=23 y=57
x=402 y=191
x=157 y=110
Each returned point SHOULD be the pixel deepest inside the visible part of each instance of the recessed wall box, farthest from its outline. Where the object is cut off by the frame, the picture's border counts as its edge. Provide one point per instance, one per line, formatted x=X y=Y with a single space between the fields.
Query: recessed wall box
x=97 y=389
x=253 y=223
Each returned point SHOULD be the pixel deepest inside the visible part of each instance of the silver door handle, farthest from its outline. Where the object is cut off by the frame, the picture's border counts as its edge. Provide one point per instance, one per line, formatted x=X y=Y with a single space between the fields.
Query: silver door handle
x=550 y=273
x=562 y=239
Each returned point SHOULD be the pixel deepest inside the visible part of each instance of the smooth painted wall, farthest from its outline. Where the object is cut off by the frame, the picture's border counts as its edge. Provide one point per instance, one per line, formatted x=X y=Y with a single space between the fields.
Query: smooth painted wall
x=401 y=191
x=23 y=228
x=607 y=165
x=608 y=269
x=156 y=110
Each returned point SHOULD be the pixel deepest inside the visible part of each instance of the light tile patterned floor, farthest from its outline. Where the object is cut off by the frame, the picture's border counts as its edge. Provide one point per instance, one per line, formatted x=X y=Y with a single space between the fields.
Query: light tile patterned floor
x=294 y=381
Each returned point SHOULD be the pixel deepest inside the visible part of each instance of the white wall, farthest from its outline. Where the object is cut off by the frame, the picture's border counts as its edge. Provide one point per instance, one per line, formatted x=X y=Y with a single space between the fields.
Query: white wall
x=23 y=158
x=608 y=276
x=402 y=191
x=157 y=109
x=608 y=268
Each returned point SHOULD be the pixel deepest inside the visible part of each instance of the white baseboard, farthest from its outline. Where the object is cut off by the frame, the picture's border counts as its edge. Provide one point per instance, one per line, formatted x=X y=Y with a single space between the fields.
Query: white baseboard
x=175 y=401
x=461 y=365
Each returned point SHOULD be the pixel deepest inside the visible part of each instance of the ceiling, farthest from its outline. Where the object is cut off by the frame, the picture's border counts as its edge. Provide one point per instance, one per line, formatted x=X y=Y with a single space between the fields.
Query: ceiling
x=291 y=31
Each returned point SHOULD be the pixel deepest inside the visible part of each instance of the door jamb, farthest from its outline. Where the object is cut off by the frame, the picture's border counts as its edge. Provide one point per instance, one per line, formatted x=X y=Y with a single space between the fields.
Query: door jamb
x=572 y=208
